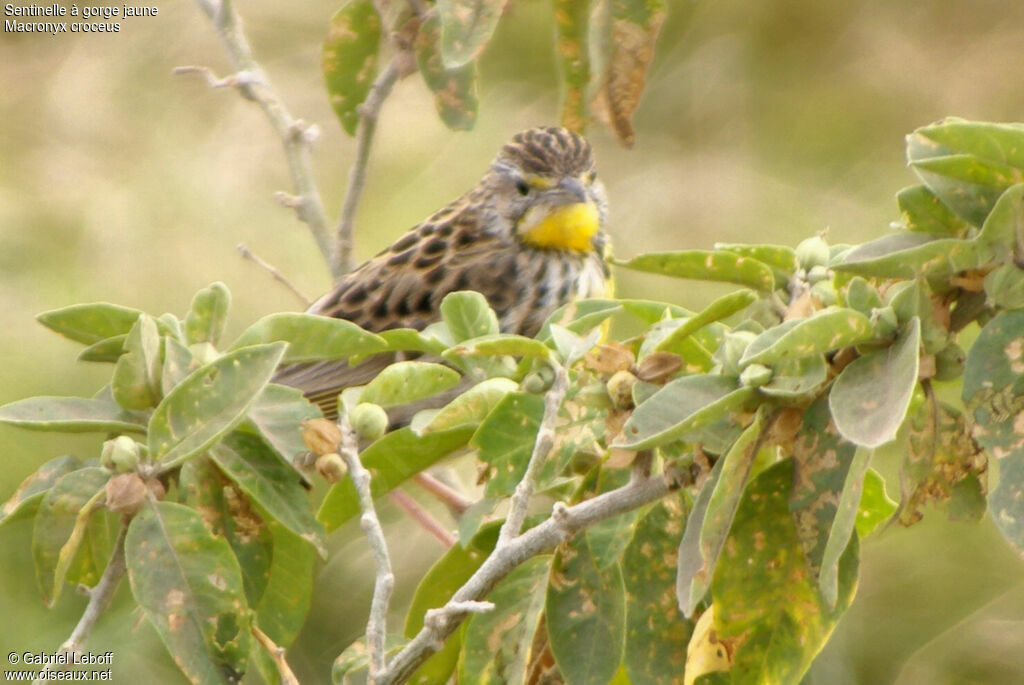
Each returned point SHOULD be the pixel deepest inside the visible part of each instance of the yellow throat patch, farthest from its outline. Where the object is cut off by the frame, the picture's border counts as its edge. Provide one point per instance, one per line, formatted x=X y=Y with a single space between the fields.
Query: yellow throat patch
x=569 y=227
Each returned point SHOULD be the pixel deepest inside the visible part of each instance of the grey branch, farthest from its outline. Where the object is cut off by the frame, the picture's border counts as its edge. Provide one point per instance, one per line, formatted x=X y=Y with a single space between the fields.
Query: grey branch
x=541 y=449
x=99 y=598
x=369 y=111
x=273 y=271
x=384 y=581
x=568 y=521
x=296 y=136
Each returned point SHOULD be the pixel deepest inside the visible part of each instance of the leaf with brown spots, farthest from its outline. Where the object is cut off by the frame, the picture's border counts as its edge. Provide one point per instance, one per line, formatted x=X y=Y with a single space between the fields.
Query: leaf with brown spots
x=633 y=30
x=24 y=503
x=454 y=89
x=765 y=597
x=349 y=57
x=572 y=52
x=656 y=632
x=189 y=584
x=498 y=645
x=466 y=28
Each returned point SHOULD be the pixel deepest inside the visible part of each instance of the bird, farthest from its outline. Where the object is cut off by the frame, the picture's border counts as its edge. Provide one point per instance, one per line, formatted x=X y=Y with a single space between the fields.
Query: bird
x=529 y=236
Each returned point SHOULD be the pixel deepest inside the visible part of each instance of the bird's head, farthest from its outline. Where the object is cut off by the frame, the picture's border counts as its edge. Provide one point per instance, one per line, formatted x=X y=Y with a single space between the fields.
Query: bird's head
x=545 y=184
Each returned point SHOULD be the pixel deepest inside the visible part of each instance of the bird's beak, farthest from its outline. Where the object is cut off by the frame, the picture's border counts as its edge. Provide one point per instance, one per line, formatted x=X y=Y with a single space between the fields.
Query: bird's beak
x=574 y=189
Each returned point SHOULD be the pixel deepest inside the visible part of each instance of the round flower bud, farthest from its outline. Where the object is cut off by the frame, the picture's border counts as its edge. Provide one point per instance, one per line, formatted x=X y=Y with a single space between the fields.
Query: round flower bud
x=322 y=436
x=812 y=252
x=949 y=362
x=126 y=493
x=369 y=420
x=620 y=389
x=331 y=467
x=121 y=454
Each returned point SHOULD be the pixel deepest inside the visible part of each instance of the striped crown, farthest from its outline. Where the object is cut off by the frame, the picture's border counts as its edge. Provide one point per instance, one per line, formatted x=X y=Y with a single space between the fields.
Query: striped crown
x=548 y=151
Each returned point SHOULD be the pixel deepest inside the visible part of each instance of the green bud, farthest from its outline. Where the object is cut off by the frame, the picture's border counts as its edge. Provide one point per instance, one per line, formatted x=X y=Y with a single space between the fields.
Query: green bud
x=949 y=362
x=369 y=420
x=121 y=454
x=537 y=382
x=732 y=349
x=812 y=252
x=755 y=375
x=620 y=389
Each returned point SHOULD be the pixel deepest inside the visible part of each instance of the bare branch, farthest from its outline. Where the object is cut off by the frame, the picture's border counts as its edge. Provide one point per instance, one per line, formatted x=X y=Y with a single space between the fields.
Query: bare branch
x=295 y=135
x=384 y=582
x=278 y=276
x=541 y=449
x=99 y=599
x=277 y=654
x=559 y=527
x=368 y=113
x=454 y=500
x=423 y=517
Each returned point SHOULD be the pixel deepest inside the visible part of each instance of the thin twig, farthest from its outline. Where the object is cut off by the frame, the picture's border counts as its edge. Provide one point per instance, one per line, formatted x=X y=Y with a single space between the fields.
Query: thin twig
x=384 y=583
x=541 y=448
x=369 y=111
x=99 y=599
x=423 y=517
x=273 y=271
x=296 y=136
x=277 y=654
x=454 y=500
x=561 y=525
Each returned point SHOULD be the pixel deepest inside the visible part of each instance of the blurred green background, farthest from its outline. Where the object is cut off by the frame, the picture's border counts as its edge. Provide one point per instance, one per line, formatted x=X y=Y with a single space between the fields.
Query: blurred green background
x=763 y=121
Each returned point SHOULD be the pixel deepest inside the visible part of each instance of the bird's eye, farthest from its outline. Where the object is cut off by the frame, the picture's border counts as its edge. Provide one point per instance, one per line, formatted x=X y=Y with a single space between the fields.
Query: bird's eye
x=523 y=187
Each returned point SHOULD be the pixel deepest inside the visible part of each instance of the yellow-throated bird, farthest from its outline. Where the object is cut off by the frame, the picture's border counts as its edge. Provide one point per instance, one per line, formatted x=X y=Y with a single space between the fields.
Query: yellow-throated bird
x=529 y=237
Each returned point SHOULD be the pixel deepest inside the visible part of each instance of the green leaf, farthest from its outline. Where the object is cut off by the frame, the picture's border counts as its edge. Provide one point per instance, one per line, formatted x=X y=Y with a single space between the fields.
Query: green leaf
x=61 y=524
x=689 y=560
x=967 y=164
x=1006 y=503
x=860 y=295
x=471 y=407
x=179 y=362
x=311 y=337
x=505 y=440
x=106 y=350
x=24 y=503
x=285 y=603
x=397 y=456
x=72 y=415
x=501 y=344
x=723 y=307
x=781 y=626
x=406 y=382
x=209 y=403
x=90 y=323
x=923 y=212
x=875 y=505
x=705 y=265
x=739 y=467
x=272 y=485
x=349 y=59
x=208 y=314
x=1004 y=226
x=468 y=315
x=570 y=346
x=827 y=483
x=455 y=96
x=435 y=589
x=869 y=399
x=908 y=255
x=572 y=19
x=1004 y=286
x=189 y=585
x=826 y=330
x=228 y=514
x=580 y=316
x=656 y=632
x=781 y=257
x=136 y=381
x=351 y=666
x=498 y=645
x=585 y=613
x=466 y=28
x=796 y=377
x=682 y=406
x=277 y=415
